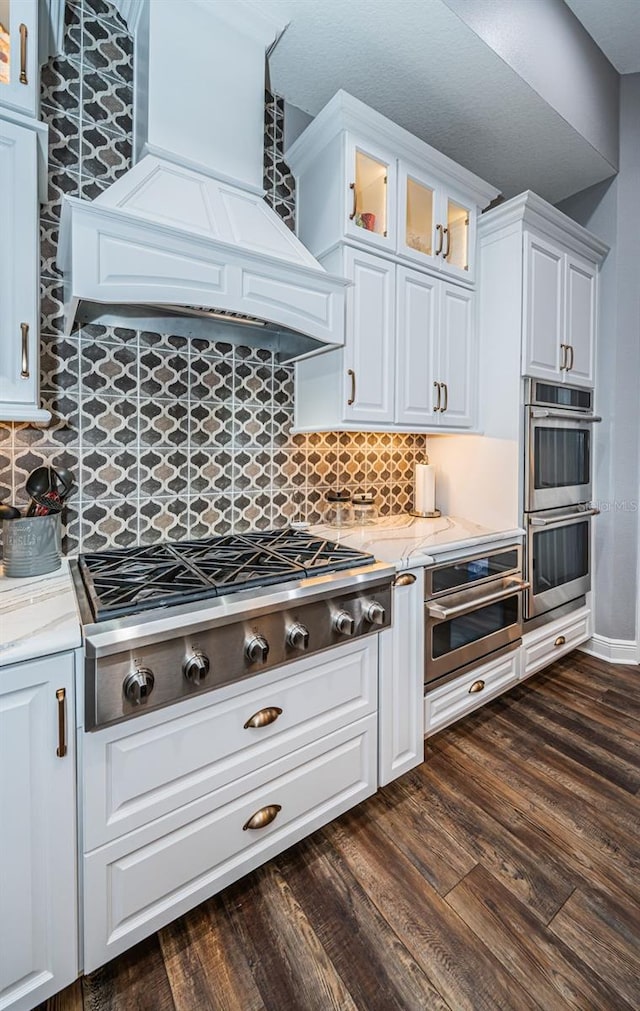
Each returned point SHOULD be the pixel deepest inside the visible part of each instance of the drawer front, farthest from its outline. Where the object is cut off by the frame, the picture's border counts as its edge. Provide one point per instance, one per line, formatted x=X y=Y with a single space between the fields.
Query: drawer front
x=141 y=882
x=453 y=700
x=132 y=776
x=545 y=645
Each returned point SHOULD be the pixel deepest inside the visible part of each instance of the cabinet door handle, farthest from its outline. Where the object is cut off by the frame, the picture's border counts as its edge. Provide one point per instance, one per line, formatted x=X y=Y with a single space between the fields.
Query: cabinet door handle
x=352 y=376
x=440 y=240
x=24 y=370
x=352 y=186
x=448 y=250
x=405 y=579
x=61 y=750
x=563 y=364
x=263 y=717
x=570 y=353
x=446 y=397
x=263 y=817
x=439 y=389
x=477 y=686
x=23 y=54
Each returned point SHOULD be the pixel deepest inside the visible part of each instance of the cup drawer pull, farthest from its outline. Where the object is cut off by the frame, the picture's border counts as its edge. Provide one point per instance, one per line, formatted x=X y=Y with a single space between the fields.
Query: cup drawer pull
x=263 y=717
x=560 y=641
x=477 y=686
x=263 y=817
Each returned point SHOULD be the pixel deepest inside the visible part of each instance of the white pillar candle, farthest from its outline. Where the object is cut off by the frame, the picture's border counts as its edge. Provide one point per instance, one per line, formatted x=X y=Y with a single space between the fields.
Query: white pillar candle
x=425 y=488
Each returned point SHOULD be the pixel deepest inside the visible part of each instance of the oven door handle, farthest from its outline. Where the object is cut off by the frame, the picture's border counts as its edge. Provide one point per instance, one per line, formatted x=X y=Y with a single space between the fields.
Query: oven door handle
x=445 y=613
x=575 y=416
x=545 y=521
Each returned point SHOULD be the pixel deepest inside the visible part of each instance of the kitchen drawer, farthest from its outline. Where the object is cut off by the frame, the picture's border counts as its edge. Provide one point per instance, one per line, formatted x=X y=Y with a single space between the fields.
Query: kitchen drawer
x=544 y=645
x=142 y=769
x=141 y=882
x=448 y=703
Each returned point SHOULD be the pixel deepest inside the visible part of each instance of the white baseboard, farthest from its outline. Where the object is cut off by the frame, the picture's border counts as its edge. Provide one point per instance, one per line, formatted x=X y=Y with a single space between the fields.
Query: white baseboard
x=613 y=650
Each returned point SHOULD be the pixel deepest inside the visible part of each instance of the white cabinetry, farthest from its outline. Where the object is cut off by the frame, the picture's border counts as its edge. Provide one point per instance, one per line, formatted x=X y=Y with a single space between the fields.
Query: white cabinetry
x=407 y=363
x=179 y=803
x=38 y=918
x=400 y=714
x=19 y=272
x=469 y=691
x=545 y=645
x=362 y=178
x=19 y=74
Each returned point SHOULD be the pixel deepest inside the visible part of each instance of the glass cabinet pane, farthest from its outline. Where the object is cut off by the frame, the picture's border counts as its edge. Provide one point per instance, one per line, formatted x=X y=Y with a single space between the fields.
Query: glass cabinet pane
x=5 y=42
x=419 y=217
x=457 y=240
x=370 y=204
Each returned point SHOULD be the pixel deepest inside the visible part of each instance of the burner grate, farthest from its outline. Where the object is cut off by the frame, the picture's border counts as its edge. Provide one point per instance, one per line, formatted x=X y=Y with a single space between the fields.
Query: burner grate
x=127 y=581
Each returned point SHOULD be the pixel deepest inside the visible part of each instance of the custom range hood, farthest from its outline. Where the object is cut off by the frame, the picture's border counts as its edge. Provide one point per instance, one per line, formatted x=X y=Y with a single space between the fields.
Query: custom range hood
x=184 y=242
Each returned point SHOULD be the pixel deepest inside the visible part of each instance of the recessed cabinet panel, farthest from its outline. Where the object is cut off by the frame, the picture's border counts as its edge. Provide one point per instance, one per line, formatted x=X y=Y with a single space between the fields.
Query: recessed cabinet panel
x=455 y=360
x=19 y=79
x=417 y=297
x=580 y=320
x=371 y=198
x=543 y=323
x=368 y=379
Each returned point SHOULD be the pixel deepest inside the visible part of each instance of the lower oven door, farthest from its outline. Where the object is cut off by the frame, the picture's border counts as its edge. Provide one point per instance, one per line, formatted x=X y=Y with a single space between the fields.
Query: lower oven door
x=467 y=626
x=558 y=558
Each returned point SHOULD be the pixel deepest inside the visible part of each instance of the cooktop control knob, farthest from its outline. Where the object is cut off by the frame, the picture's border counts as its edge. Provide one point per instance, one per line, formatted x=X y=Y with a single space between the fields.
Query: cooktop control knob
x=256 y=649
x=138 y=685
x=298 y=636
x=196 y=667
x=374 y=613
x=344 y=623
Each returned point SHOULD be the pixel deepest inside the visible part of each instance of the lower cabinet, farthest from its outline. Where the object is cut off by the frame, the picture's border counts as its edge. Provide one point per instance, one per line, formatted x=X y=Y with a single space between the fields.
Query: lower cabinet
x=449 y=702
x=546 y=644
x=400 y=712
x=38 y=898
x=180 y=803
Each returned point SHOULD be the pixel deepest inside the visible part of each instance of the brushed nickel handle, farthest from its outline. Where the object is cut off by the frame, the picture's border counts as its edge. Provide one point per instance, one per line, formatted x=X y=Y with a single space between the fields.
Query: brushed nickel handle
x=573 y=416
x=556 y=521
x=263 y=717
x=477 y=686
x=406 y=579
x=439 y=389
x=352 y=398
x=263 y=817
x=560 y=641
x=23 y=54
x=440 y=240
x=446 y=613
x=352 y=186
x=61 y=750
x=24 y=370
x=447 y=232
x=570 y=351
x=446 y=397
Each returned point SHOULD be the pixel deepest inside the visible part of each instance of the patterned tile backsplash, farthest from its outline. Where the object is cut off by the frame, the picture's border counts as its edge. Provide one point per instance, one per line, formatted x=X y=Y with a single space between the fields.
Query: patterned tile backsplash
x=167 y=437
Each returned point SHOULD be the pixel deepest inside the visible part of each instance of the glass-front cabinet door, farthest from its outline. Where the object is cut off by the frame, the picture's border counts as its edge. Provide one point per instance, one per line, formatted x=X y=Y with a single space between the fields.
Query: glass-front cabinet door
x=417 y=207
x=458 y=220
x=436 y=227
x=19 y=56
x=371 y=195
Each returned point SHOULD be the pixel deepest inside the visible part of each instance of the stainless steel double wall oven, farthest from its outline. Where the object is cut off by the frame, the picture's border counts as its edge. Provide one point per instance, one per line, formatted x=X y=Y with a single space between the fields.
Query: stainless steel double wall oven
x=558 y=492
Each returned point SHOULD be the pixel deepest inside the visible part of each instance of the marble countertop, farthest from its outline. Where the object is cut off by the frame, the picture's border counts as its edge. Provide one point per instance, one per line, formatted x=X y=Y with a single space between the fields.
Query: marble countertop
x=409 y=542
x=38 y=616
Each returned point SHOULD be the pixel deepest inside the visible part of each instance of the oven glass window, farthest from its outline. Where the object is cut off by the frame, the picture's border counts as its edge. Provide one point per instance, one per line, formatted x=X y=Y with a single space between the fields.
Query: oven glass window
x=560 y=556
x=562 y=457
x=457 y=632
x=462 y=573
x=562 y=396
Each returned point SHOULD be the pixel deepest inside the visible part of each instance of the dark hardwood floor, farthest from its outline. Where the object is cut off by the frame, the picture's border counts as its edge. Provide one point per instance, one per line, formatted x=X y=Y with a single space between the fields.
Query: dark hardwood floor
x=503 y=873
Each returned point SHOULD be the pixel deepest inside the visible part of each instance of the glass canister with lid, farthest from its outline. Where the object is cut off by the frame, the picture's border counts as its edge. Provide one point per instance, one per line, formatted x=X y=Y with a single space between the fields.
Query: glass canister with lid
x=339 y=511
x=364 y=509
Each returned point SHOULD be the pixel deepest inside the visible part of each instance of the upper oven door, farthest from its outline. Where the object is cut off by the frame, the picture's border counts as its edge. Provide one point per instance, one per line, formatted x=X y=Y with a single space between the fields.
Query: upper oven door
x=558 y=558
x=558 y=465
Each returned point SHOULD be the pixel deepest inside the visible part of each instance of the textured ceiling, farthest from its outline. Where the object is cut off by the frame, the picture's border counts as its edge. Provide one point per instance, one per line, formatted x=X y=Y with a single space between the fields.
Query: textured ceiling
x=416 y=62
x=614 y=25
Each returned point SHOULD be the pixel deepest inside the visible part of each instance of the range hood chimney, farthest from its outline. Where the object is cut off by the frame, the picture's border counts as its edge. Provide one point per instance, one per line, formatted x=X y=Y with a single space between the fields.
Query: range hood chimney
x=184 y=240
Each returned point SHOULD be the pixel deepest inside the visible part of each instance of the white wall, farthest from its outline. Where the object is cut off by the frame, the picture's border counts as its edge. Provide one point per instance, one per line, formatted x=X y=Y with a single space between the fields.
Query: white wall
x=612 y=211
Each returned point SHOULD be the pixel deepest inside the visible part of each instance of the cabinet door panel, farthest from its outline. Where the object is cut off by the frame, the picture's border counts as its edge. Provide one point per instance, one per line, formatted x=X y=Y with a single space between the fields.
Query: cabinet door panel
x=417 y=296
x=543 y=322
x=370 y=338
x=371 y=195
x=458 y=218
x=19 y=79
x=580 y=320
x=456 y=355
x=37 y=834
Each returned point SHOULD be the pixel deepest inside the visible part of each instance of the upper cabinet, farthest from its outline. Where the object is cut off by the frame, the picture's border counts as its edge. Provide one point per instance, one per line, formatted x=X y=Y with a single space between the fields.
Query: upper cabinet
x=363 y=179
x=19 y=88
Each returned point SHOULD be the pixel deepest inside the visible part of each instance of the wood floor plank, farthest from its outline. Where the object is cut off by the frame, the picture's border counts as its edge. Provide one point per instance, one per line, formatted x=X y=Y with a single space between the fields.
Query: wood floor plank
x=137 y=979
x=377 y=969
x=459 y=965
x=206 y=967
x=605 y=932
x=623 y=703
x=552 y=971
